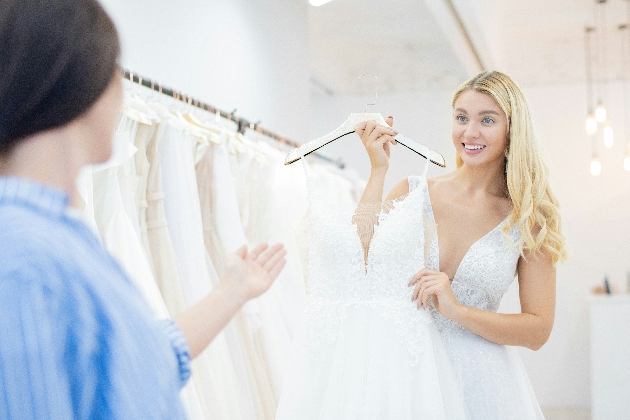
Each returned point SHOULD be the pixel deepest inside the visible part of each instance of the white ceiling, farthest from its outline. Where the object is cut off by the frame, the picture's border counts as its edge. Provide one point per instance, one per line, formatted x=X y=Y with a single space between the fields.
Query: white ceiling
x=414 y=45
x=397 y=40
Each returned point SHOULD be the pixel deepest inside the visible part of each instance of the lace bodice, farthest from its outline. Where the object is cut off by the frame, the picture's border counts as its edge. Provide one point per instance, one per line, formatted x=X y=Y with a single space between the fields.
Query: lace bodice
x=485 y=273
x=340 y=277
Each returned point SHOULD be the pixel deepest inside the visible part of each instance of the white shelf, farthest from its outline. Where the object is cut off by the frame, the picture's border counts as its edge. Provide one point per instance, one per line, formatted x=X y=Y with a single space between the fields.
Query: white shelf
x=610 y=356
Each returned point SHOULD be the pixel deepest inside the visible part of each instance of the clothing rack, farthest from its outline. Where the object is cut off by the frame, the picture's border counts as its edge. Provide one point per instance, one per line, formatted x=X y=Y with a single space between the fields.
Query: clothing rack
x=241 y=122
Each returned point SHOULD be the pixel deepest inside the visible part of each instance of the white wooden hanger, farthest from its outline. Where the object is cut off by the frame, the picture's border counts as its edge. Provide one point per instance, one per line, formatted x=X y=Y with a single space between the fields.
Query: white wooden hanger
x=348 y=128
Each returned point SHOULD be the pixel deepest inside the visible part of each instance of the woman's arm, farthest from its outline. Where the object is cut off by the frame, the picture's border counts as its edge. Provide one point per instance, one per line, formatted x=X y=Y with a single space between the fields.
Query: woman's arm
x=376 y=139
x=247 y=275
x=531 y=328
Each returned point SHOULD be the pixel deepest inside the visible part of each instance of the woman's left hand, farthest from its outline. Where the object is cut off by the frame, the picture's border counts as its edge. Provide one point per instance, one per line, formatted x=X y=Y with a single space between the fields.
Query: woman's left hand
x=437 y=284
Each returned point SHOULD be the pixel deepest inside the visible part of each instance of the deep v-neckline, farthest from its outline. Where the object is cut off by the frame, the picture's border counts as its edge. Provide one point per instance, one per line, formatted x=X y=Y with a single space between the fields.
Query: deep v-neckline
x=396 y=206
x=437 y=236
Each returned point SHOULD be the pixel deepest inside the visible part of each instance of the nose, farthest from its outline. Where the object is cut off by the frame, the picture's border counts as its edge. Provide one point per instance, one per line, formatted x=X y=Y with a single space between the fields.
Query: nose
x=472 y=132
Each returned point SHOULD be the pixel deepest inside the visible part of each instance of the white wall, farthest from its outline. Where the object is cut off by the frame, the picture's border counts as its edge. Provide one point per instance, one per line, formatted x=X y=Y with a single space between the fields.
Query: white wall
x=595 y=210
x=246 y=54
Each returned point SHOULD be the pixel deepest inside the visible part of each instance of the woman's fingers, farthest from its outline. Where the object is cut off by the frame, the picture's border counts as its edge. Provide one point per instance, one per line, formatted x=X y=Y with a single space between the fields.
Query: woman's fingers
x=390 y=121
x=379 y=131
x=383 y=141
x=417 y=292
x=274 y=258
x=360 y=128
x=422 y=275
x=254 y=253
x=423 y=279
x=431 y=290
x=267 y=254
x=277 y=268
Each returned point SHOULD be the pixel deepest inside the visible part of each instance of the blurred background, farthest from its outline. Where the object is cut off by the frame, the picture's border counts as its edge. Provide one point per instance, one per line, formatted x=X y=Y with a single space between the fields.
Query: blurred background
x=293 y=66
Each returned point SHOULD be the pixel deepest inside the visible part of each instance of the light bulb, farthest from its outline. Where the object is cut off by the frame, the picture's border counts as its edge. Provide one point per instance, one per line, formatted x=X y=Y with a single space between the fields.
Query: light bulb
x=591 y=125
x=318 y=2
x=596 y=167
x=600 y=113
x=608 y=137
x=626 y=163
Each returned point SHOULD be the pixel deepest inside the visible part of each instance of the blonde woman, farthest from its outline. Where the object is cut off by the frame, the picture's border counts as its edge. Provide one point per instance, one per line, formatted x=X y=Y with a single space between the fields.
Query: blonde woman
x=496 y=219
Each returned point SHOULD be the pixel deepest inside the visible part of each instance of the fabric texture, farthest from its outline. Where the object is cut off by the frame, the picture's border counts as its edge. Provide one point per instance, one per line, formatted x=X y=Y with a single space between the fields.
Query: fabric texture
x=78 y=340
x=495 y=384
x=215 y=376
x=365 y=351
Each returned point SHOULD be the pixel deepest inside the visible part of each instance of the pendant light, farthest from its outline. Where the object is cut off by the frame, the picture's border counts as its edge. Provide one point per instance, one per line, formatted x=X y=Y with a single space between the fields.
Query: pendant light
x=591 y=122
x=600 y=112
x=596 y=166
x=608 y=136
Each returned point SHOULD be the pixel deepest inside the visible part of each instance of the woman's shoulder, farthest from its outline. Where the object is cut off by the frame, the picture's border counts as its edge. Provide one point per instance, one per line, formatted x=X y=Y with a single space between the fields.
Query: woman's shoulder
x=440 y=181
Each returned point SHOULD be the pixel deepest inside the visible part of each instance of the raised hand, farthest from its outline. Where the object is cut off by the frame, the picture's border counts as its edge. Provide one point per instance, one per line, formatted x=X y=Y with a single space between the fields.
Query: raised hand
x=377 y=139
x=252 y=273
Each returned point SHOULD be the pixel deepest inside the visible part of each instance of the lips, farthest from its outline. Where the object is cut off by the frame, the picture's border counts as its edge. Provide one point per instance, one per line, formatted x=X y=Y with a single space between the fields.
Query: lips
x=473 y=149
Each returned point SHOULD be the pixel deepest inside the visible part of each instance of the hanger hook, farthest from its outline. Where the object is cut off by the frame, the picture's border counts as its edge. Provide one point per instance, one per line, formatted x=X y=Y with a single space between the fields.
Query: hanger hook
x=375 y=93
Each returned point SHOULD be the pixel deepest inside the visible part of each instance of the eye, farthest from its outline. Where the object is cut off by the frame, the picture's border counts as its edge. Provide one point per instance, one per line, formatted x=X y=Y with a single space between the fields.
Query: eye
x=461 y=118
x=487 y=120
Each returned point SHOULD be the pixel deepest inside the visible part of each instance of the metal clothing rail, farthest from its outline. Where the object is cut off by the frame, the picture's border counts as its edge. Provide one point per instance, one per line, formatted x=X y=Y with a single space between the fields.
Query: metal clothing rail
x=241 y=122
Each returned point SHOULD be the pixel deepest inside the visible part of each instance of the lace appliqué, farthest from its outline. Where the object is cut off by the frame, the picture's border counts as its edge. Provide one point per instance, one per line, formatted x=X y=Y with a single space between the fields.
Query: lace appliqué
x=483 y=276
x=343 y=277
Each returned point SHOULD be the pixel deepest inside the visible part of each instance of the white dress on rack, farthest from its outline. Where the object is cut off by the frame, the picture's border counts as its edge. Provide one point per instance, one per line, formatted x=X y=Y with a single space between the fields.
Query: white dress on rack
x=248 y=395
x=255 y=339
x=365 y=351
x=495 y=384
x=114 y=224
x=214 y=375
x=277 y=200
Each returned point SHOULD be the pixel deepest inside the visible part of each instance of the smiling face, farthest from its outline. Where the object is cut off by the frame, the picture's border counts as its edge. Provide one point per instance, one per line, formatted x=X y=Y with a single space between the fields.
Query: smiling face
x=480 y=129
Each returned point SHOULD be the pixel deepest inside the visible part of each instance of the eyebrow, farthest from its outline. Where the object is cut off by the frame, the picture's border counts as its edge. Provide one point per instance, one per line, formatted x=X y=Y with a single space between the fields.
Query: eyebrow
x=489 y=111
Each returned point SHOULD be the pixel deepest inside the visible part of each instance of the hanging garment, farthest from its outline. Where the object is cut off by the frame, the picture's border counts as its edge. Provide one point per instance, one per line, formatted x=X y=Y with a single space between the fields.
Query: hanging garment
x=495 y=384
x=160 y=245
x=248 y=393
x=365 y=351
x=143 y=136
x=258 y=344
x=272 y=334
x=215 y=378
x=114 y=224
x=277 y=200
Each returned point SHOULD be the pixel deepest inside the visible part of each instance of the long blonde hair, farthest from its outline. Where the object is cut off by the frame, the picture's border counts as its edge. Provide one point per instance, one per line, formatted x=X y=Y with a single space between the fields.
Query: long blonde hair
x=534 y=204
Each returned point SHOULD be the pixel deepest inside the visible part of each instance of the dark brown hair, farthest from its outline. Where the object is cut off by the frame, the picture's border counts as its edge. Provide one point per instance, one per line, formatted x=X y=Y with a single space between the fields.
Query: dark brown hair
x=56 y=59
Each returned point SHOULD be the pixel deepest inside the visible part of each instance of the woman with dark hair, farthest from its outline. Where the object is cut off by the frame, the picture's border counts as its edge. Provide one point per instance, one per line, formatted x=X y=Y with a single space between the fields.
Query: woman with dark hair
x=76 y=338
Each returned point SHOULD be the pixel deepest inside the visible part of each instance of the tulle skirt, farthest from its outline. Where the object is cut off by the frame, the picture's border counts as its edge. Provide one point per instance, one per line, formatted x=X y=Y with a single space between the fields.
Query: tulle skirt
x=365 y=371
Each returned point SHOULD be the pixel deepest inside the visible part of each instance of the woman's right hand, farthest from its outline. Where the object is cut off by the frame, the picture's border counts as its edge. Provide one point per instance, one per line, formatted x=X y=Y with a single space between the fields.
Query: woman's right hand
x=250 y=273
x=377 y=139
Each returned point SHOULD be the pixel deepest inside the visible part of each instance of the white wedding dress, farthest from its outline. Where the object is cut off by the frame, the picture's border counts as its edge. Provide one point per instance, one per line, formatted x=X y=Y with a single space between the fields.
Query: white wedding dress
x=364 y=350
x=494 y=381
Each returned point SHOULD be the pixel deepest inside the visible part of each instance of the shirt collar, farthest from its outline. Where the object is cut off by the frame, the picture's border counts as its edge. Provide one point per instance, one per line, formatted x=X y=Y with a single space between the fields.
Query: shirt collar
x=24 y=192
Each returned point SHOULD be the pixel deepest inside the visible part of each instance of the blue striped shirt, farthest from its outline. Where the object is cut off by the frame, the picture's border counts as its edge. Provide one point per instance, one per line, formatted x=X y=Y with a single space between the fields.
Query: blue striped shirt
x=77 y=340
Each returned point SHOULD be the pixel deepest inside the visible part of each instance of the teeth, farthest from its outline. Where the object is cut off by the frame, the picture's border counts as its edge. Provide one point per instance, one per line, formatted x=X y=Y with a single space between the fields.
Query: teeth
x=473 y=146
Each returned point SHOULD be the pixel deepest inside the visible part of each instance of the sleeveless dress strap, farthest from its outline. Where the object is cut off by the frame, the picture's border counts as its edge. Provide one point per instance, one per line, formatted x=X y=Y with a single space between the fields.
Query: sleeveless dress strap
x=303 y=162
x=416 y=180
x=426 y=167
